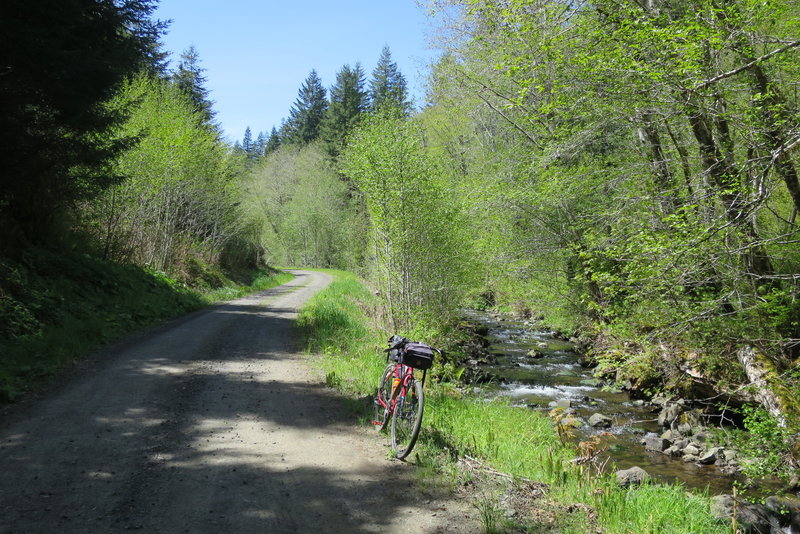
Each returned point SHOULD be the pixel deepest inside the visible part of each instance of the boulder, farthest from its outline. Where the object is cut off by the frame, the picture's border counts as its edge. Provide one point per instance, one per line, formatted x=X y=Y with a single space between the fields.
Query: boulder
x=655 y=443
x=561 y=403
x=634 y=476
x=752 y=518
x=689 y=458
x=673 y=451
x=669 y=435
x=536 y=354
x=599 y=420
x=685 y=428
x=669 y=414
x=692 y=449
x=710 y=456
x=786 y=509
x=681 y=443
x=571 y=421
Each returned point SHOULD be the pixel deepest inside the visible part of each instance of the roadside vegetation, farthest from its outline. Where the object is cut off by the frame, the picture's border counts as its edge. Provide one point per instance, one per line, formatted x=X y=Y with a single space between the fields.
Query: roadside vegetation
x=502 y=458
x=57 y=307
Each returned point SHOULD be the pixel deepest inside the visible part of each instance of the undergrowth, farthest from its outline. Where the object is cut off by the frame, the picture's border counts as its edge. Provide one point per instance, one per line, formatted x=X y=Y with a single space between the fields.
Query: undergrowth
x=57 y=307
x=514 y=444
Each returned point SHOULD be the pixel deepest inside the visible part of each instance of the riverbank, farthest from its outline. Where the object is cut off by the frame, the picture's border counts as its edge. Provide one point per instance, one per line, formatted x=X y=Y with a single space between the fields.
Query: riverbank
x=539 y=480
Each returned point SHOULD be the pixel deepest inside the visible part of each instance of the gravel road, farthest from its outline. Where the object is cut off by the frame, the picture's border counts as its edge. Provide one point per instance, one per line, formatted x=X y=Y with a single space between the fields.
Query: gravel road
x=211 y=423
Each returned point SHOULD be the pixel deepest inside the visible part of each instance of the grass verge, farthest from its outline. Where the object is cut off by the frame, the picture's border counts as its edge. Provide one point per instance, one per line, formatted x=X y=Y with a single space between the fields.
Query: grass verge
x=56 y=307
x=509 y=461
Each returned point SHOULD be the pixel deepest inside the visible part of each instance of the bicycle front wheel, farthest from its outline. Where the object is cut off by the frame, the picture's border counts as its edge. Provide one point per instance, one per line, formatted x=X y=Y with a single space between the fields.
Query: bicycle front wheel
x=383 y=398
x=407 y=419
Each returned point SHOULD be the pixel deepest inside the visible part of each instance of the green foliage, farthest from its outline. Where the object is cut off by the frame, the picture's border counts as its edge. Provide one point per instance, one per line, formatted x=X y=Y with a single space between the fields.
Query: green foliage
x=180 y=196
x=304 y=213
x=624 y=170
x=765 y=443
x=420 y=258
x=60 y=61
x=189 y=78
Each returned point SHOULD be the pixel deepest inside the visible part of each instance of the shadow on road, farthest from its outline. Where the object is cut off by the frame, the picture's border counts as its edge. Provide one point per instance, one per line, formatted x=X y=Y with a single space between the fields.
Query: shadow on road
x=212 y=425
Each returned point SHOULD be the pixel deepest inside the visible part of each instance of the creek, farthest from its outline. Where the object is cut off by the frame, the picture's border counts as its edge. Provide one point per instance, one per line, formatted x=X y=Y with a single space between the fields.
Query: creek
x=533 y=368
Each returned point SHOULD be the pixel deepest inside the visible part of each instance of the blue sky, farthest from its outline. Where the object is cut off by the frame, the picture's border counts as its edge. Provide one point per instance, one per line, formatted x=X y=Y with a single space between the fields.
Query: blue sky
x=258 y=53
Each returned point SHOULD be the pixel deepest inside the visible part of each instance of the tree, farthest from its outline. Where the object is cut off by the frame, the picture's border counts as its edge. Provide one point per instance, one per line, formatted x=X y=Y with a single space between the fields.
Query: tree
x=419 y=255
x=179 y=201
x=190 y=79
x=305 y=117
x=388 y=86
x=348 y=101
x=247 y=141
x=273 y=142
x=59 y=61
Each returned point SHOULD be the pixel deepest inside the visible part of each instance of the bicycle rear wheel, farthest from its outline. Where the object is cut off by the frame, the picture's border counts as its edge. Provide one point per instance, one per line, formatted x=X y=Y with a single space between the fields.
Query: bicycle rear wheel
x=382 y=398
x=407 y=419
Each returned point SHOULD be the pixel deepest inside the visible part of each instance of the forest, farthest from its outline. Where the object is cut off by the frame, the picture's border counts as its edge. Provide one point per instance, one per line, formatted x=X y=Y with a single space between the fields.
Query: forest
x=623 y=171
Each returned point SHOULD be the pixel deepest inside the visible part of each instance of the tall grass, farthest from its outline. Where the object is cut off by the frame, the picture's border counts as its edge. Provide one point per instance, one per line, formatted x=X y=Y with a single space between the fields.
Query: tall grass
x=517 y=442
x=335 y=325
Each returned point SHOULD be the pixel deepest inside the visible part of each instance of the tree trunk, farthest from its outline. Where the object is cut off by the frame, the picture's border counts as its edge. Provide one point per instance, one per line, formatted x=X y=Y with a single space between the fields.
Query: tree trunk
x=759 y=371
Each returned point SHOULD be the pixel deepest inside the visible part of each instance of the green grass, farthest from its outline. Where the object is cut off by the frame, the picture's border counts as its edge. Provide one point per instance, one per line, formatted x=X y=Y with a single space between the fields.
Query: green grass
x=520 y=443
x=57 y=307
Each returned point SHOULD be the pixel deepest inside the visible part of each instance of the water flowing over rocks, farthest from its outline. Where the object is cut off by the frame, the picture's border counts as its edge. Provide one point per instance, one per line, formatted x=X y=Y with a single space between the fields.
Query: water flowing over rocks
x=536 y=369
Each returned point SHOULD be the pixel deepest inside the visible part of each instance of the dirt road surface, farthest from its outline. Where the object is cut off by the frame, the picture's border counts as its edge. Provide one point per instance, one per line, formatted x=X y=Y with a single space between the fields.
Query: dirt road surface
x=211 y=423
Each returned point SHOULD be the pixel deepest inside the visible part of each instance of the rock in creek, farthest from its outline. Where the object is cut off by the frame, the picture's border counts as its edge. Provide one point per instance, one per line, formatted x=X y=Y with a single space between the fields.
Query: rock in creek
x=669 y=414
x=634 y=476
x=710 y=456
x=655 y=443
x=599 y=420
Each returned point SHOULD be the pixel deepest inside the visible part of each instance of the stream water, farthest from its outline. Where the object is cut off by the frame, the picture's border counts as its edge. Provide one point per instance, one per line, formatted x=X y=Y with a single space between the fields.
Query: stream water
x=555 y=374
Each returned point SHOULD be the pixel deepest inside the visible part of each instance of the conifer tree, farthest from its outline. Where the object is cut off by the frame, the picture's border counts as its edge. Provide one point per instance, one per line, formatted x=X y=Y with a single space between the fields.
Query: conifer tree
x=305 y=117
x=273 y=142
x=190 y=78
x=348 y=101
x=247 y=141
x=388 y=86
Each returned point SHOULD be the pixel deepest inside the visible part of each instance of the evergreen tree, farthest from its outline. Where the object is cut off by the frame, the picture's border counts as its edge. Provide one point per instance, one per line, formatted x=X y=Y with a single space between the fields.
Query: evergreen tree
x=306 y=115
x=247 y=141
x=58 y=62
x=273 y=142
x=189 y=77
x=348 y=101
x=388 y=86
x=260 y=145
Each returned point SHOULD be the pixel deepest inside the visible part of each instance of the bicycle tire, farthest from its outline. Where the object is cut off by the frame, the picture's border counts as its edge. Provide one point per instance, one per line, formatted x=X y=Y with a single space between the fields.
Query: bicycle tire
x=407 y=420
x=383 y=394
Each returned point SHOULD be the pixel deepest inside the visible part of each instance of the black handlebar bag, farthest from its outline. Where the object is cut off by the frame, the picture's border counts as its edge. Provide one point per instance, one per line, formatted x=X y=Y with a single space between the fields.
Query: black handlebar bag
x=417 y=355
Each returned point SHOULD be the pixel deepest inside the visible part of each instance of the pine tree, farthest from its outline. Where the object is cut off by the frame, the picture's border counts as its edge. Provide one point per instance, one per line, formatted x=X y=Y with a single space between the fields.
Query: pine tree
x=190 y=78
x=348 y=101
x=305 y=117
x=388 y=86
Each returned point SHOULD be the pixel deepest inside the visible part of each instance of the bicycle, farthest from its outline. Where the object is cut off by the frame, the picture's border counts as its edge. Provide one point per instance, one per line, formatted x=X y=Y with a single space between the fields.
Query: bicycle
x=400 y=395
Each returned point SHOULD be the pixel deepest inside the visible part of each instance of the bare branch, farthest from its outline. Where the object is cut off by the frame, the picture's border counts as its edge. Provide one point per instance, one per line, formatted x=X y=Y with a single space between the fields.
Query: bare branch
x=746 y=66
